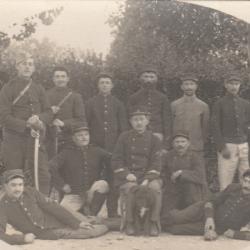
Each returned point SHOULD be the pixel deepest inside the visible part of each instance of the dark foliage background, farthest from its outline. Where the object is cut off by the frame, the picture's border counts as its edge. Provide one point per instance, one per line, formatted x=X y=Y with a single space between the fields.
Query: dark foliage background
x=177 y=38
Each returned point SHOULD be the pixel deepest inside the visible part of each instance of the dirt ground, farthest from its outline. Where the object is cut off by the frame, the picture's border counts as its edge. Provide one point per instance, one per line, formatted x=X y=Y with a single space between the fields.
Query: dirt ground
x=117 y=241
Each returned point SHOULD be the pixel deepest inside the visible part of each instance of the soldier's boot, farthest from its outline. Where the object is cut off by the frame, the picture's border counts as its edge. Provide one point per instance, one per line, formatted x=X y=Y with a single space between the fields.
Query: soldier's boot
x=97 y=202
x=130 y=229
x=154 y=230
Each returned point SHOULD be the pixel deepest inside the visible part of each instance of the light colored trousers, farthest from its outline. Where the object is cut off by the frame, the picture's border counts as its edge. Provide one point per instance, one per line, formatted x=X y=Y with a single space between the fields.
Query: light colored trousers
x=73 y=202
x=238 y=161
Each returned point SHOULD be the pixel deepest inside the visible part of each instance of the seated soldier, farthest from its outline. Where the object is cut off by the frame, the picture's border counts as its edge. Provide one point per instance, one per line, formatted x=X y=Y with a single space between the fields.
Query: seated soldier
x=136 y=160
x=77 y=172
x=37 y=216
x=183 y=175
x=228 y=212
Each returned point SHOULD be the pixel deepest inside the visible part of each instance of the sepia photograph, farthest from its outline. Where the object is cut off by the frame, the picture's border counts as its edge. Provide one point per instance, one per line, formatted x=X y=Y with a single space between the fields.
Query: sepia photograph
x=124 y=125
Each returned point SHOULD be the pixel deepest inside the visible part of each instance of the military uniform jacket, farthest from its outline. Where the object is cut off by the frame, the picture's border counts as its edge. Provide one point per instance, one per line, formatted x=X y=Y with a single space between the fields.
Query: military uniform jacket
x=191 y=164
x=230 y=120
x=159 y=108
x=138 y=154
x=106 y=118
x=33 y=213
x=33 y=102
x=231 y=210
x=72 y=110
x=78 y=167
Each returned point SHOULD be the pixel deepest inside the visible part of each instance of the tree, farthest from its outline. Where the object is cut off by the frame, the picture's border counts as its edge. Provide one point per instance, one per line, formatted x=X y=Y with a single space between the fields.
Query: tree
x=176 y=38
x=28 y=27
x=83 y=66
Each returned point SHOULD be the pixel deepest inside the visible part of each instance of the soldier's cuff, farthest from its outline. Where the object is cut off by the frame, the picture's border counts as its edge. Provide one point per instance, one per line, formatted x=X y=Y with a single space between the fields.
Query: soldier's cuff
x=119 y=170
x=209 y=210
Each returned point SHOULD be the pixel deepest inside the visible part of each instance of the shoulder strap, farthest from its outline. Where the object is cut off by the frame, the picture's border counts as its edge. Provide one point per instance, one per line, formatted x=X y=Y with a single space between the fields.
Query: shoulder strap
x=21 y=94
x=65 y=98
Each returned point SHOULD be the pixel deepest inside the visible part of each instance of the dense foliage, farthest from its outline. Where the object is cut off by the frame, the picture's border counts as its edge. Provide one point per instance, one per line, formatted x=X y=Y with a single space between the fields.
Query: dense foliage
x=176 y=38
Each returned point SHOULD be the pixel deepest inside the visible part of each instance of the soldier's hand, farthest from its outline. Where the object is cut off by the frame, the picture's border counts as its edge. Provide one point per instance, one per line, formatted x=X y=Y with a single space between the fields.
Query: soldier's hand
x=144 y=183
x=58 y=123
x=32 y=120
x=209 y=225
x=226 y=153
x=210 y=235
x=66 y=189
x=209 y=230
x=55 y=109
x=175 y=175
x=229 y=233
x=159 y=136
x=86 y=225
x=131 y=177
x=38 y=126
x=29 y=238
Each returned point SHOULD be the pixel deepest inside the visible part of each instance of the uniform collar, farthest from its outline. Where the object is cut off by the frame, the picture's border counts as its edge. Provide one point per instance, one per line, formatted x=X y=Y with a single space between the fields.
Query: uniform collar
x=135 y=133
x=148 y=90
x=11 y=199
x=178 y=155
x=61 y=89
x=189 y=98
x=22 y=81
x=104 y=96
x=228 y=95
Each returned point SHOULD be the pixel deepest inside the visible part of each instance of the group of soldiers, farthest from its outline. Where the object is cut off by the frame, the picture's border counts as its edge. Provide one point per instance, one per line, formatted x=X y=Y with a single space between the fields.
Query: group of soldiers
x=100 y=151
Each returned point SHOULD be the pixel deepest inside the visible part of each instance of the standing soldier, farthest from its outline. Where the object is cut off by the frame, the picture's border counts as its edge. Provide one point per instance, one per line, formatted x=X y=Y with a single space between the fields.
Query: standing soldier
x=67 y=107
x=106 y=118
x=191 y=114
x=24 y=111
x=156 y=103
x=230 y=121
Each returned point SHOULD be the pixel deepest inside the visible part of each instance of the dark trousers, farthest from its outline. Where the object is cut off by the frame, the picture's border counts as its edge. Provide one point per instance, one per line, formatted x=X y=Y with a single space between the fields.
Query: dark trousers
x=113 y=195
x=182 y=195
x=18 y=153
x=188 y=221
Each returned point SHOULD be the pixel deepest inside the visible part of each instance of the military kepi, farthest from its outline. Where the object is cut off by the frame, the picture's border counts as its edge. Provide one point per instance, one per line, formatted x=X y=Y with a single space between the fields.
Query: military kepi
x=11 y=174
x=140 y=110
x=22 y=56
x=148 y=68
x=105 y=74
x=80 y=126
x=233 y=77
x=189 y=77
x=181 y=133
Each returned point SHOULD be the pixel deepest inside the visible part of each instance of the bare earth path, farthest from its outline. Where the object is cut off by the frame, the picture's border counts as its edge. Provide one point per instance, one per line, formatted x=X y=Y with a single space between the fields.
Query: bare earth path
x=117 y=241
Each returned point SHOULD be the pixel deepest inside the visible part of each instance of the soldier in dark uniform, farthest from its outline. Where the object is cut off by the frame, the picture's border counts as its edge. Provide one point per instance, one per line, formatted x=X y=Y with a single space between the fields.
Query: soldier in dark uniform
x=37 y=216
x=136 y=160
x=24 y=110
x=107 y=119
x=157 y=104
x=77 y=171
x=226 y=213
x=183 y=174
x=67 y=107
